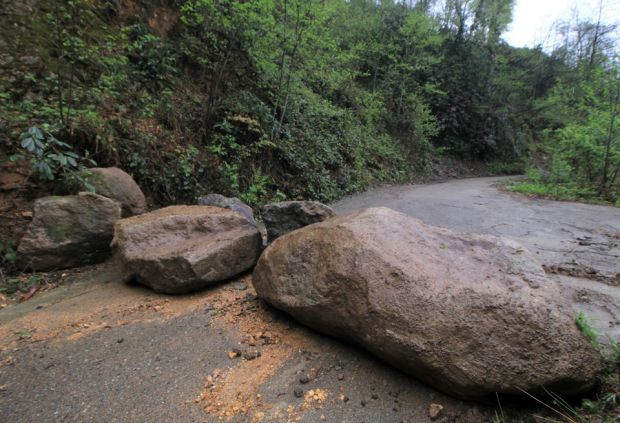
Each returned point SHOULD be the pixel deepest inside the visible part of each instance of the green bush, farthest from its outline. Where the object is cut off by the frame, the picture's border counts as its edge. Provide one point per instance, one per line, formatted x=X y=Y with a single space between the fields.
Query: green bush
x=51 y=158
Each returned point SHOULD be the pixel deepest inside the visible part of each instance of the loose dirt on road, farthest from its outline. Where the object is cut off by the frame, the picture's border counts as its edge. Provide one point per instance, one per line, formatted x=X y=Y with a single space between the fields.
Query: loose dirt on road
x=97 y=350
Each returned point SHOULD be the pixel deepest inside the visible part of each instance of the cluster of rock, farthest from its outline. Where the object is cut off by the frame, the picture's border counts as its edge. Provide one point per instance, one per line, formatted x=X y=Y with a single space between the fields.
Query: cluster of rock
x=72 y=230
x=469 y=314
x=173 y=250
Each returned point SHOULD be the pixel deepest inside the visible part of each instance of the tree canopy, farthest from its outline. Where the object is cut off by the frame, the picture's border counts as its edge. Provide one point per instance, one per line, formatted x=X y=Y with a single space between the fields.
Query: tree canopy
x=273 y=99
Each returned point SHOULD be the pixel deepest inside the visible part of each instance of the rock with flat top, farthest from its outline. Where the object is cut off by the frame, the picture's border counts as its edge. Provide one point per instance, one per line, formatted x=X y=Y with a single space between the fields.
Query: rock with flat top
x=179 y=249
x=469 y=314
x=68 y=231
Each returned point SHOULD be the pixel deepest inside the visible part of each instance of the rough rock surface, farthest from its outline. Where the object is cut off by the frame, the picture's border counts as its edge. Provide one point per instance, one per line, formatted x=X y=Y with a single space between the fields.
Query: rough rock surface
x=468 y=314
x=118 y=185
x=232 y=203
x=180 y=249
x=281 y=218
x=69 y=231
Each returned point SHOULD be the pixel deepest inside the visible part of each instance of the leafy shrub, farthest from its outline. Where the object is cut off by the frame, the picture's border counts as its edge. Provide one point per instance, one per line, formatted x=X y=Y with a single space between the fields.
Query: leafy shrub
x=50 y=158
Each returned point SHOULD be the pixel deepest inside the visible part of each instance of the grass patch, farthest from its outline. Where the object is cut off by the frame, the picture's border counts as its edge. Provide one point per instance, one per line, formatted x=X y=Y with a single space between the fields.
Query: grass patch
x=606 y=406
x=503 y=168
x=565 y=192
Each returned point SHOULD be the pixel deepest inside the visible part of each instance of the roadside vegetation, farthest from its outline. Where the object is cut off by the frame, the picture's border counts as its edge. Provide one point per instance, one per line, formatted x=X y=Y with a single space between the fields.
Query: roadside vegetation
x=285 y=99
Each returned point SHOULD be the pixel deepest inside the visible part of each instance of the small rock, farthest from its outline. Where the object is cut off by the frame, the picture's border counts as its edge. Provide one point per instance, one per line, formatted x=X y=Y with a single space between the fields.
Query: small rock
x=304 y=379
x=251 y=355
x=434 y=410
x=340 y=377
x=120 y=340
x=374 y=396
x=344 y=398
x=232 y=203
x=233 y=354
x=287 y=216
x=363 y=403
x=240 y=286
x=298 y=392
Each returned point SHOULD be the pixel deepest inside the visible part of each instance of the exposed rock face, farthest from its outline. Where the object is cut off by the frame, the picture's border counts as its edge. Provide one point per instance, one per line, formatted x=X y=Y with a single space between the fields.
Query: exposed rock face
x=118 y=185
x=468 y=314
x=180 y=249
x=287 y=216
x=69 y=231
x=232 y=203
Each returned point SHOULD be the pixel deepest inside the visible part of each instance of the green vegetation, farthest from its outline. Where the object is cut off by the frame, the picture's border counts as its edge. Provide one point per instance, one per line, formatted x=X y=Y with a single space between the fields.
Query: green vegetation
x=52 y=159
x=570 y=191
x=274 y=99
x=607 y=404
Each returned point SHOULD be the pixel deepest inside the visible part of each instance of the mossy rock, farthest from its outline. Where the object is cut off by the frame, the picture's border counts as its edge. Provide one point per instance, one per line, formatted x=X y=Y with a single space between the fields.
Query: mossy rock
x=69 y=231
x=113 y=183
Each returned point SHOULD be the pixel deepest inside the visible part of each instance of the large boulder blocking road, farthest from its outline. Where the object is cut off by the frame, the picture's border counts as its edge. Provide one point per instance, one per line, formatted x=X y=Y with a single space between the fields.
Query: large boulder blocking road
x=469 y=314
x=179 y=249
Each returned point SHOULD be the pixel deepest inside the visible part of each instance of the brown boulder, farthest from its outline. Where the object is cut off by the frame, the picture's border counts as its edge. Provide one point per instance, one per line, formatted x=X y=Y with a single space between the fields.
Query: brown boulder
x=180 y=249
x=468 y=314
x=69 y=231
x=118 y=185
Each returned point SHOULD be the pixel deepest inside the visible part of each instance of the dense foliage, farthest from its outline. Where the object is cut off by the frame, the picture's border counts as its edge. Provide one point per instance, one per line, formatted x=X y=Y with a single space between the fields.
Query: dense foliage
x=274 y=99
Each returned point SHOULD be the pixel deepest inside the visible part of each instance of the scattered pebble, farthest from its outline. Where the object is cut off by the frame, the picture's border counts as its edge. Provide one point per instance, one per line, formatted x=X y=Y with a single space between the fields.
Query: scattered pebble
x=434 y=410
x=251 y=355
x=374 y=396
x=363 y=403
x=298 y=392
x=240 y=286
x=120 y=340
